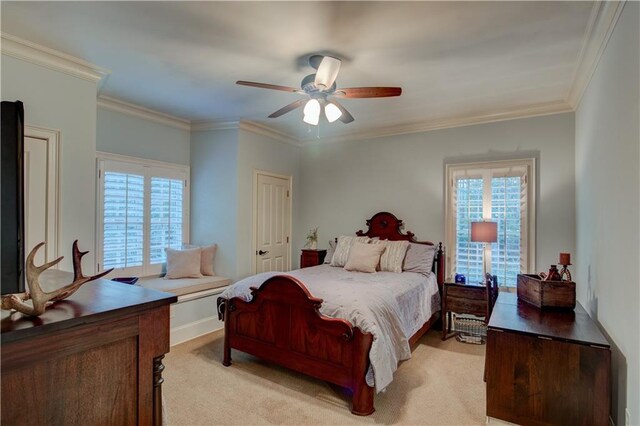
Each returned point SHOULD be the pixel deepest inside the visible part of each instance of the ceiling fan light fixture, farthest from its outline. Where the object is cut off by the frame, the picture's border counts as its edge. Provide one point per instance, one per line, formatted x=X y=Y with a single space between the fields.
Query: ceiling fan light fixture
x=332 y=112
x=312 y=108
x=311 y=119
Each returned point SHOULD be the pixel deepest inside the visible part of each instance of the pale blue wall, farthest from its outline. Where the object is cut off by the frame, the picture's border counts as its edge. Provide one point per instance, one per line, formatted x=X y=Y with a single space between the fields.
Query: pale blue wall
x=259 y=152
x=222 y=165
x=58 y=101
x=607 y=157
x=214 y=195
x=124 y=134
x=345 y=183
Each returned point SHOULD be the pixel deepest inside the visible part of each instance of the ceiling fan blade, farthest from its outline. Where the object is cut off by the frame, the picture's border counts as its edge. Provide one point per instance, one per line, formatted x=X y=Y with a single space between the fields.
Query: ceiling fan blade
x=268 y=86
x=346 y=116
x=288 y=108
x=327 y=72
x=368 y=92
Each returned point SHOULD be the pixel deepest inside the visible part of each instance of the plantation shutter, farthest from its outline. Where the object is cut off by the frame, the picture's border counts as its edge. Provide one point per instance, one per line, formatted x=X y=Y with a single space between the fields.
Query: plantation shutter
x=495 y=191
x=143 y=210
x=166 y=217
x=468 y=207
x=506 y=209
x=123 y=223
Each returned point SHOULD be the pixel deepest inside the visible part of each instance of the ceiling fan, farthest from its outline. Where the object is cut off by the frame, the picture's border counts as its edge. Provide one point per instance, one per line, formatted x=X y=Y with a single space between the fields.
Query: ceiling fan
x=321 y=93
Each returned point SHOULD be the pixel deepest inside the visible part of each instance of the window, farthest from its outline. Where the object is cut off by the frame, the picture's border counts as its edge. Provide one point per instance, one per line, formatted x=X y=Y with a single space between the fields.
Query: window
x=142 y=209
x=499 y=191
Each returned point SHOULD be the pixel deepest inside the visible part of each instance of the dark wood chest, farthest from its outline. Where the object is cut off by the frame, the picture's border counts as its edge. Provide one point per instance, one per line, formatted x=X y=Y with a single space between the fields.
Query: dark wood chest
x=546 y=367
x=94 y=358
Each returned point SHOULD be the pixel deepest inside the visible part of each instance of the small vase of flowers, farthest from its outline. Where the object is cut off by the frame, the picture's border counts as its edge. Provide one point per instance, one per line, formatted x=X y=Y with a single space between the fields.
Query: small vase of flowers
x=312 y=239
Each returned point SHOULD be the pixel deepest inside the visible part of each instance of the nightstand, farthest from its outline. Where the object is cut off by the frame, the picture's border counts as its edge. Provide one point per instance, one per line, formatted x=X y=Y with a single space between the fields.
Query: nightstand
x=312 y=257
x=471 y=299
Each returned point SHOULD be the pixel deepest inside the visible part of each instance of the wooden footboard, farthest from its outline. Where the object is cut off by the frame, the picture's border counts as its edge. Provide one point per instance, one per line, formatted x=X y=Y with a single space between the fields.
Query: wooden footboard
x=282 y=324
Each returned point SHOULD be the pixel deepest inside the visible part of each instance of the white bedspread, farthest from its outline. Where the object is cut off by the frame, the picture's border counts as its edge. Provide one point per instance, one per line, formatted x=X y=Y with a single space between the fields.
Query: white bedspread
x=390 y=306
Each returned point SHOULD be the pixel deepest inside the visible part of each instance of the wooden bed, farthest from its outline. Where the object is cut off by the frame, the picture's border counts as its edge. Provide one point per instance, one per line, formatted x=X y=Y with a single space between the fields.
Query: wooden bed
x=282 y=324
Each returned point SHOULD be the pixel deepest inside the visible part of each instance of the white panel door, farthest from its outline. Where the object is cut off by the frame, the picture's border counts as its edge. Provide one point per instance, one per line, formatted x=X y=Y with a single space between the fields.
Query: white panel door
x=272 y=223
x=35 y=195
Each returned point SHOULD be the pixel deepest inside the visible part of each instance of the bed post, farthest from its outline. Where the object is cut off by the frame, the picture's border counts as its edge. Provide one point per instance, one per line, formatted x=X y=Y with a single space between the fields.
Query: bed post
x=362 y=400
x=441 y=265
x=224 y=309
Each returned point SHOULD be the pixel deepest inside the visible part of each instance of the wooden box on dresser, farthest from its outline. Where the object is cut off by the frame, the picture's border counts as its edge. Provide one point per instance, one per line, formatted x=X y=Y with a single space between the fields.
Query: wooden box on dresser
x=546 y=367
x=94 y=358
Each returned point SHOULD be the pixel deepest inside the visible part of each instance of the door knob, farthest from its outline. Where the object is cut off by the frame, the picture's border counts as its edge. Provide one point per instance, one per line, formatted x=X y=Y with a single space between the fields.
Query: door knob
x=263 y=252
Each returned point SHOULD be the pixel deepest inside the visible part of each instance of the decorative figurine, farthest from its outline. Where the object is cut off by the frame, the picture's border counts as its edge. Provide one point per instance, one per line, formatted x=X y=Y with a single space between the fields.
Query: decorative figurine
x=565 y=260
x=553 y=274
x=460 y=279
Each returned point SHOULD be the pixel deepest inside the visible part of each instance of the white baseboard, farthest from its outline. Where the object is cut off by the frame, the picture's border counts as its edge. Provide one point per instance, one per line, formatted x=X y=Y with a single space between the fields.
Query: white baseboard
x=194 y=329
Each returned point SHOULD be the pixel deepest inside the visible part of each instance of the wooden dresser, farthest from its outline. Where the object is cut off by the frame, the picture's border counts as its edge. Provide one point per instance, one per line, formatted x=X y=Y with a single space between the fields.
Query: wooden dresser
x=546 y=367
x=94 y=358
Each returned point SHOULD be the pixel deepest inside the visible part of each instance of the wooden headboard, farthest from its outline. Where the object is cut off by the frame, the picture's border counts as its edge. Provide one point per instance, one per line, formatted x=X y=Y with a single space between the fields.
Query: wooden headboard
x=387 y=226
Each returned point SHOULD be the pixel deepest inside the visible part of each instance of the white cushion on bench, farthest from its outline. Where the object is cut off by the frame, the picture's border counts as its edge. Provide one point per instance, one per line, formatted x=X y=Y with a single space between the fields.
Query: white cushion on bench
x=183 y=286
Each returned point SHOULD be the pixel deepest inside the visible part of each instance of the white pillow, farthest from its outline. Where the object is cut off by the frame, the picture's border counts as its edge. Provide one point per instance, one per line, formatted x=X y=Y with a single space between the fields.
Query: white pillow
x=341 y=254
x=393 y=257
x=364 y=257
x=419 y=258
x=183 y=263
x=208 y=256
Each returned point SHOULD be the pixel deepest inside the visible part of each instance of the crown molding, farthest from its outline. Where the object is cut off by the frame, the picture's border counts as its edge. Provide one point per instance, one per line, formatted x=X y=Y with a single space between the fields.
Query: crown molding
x=469 y=120
x=37 y=54
x=203 y=126
x=602 y=21
x=142 y=112
x=247 y=126
x=264 y=130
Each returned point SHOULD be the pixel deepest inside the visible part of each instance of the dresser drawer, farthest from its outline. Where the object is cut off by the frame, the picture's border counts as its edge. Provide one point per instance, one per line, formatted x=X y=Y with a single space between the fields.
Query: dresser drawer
x=467 y=292
x=466 y=306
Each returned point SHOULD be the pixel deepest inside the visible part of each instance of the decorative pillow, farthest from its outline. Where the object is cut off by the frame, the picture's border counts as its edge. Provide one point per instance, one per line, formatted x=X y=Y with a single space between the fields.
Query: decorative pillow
x=364 y=257
x=343 y=247
x=183 y=263
x=330 y=251
x=208 y=256
x=419 y=258
x=392 y=258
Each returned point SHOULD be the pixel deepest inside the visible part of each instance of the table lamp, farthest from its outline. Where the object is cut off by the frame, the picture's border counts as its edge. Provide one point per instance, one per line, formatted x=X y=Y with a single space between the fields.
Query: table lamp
x=484 y=232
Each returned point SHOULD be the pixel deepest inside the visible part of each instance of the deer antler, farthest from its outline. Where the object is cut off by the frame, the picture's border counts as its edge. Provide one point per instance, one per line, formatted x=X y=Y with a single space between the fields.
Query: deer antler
x=41 y=299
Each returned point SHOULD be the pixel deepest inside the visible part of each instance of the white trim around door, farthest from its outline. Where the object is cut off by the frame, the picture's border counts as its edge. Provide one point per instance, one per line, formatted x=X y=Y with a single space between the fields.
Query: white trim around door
x=254 y=228
x=52 y=202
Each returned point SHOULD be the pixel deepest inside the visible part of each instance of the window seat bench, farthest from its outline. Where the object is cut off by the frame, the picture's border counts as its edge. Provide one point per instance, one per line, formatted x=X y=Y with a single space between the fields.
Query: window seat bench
x=184 y=286
x=195 y=312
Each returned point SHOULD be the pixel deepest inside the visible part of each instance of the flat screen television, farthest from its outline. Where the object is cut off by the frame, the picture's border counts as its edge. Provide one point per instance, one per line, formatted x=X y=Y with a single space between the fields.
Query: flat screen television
x=12 y=198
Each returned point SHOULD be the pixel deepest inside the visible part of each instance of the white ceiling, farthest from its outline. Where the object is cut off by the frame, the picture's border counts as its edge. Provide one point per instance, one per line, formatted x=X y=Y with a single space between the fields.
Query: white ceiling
x=452 y=59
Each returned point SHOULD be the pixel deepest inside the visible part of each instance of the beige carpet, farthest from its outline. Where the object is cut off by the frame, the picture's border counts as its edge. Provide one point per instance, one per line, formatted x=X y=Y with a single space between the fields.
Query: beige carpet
x=441 y=385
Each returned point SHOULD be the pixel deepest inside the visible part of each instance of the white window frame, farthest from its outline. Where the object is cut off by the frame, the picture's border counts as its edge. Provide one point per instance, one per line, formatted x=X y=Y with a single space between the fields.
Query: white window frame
x=486 y=170
x=149 y=169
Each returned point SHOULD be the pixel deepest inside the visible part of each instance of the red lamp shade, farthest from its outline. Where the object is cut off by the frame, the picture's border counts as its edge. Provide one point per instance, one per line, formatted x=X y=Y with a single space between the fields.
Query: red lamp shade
x=484 y=232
